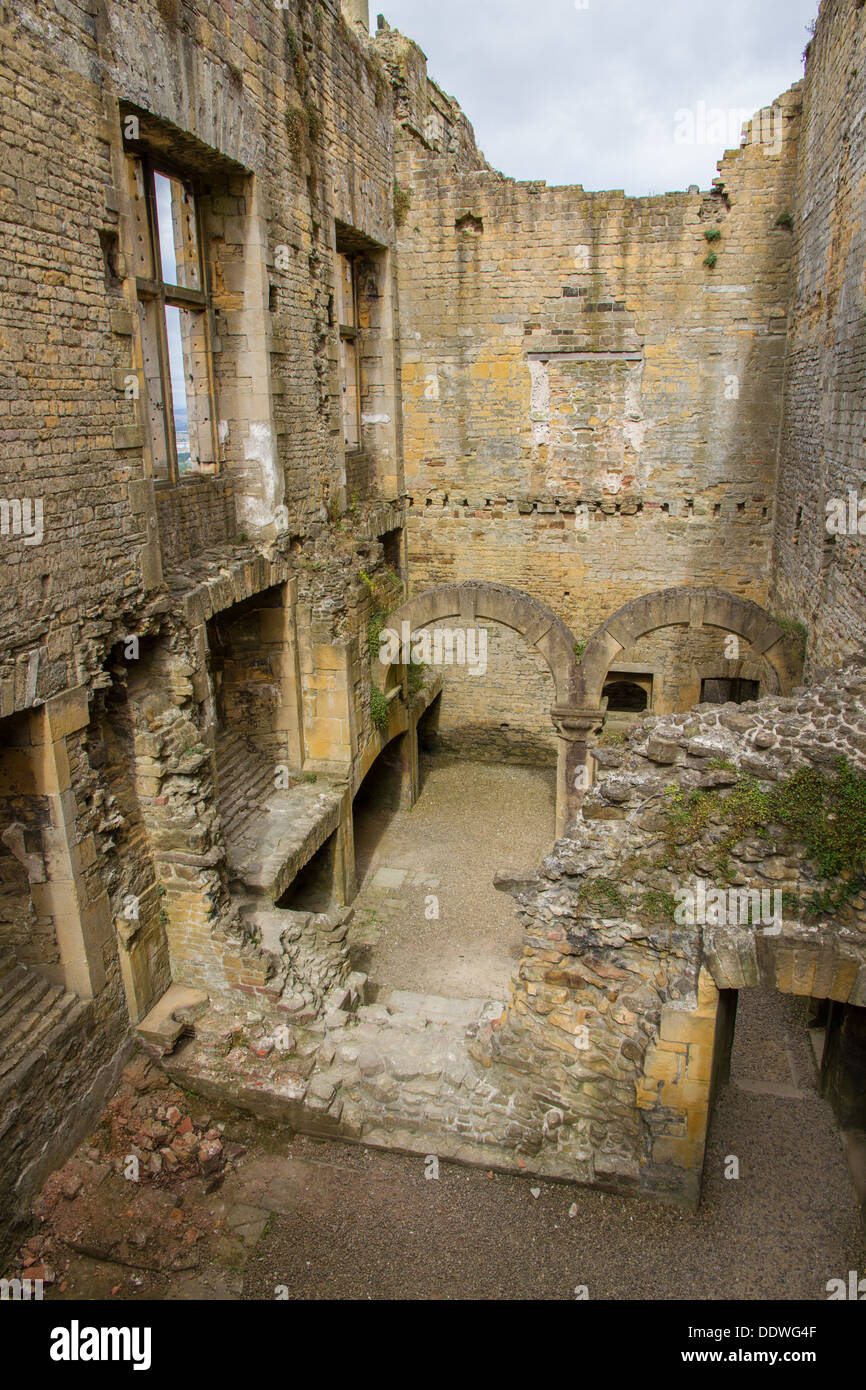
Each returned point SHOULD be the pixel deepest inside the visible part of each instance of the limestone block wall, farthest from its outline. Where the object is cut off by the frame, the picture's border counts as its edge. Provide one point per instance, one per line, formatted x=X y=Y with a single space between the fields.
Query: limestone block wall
x=819 y=575
x=284 y=116
x=590 y=411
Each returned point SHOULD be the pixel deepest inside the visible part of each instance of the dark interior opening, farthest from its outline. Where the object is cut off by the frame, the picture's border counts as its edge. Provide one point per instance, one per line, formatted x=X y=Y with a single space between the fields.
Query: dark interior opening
x=721 y=691
x=312 y=888
x=625 y=697
x=376 y=803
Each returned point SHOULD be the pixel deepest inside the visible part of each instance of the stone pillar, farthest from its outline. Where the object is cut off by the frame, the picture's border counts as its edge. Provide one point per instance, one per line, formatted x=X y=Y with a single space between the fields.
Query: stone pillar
x=345 y=882
x=674 y=1094
x=279 y=625
x=403 y=755
x=71 y=894
x=573 y=727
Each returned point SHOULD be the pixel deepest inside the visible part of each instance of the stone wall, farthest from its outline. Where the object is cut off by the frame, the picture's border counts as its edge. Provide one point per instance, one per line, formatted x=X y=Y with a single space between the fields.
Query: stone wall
x=616 y=1001
x=282 y=117
x=590 y=411
x=819 y=574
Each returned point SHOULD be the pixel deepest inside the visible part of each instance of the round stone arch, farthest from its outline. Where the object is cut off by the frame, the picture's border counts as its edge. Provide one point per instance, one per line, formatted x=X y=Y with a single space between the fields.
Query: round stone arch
x=471 y=602
x=686 y=607
x=475 y=601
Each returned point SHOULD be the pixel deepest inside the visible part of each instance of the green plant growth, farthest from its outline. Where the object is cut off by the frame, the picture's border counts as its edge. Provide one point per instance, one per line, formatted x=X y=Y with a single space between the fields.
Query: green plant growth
x=602 y=894
x=658 y=905
x=296 y=125
x=314 y=122
x=713 y=234
x=710 y=259
x=378 y=708
x=827 y=814
x=385 y=590
x=402 y=203
x=374 y=630
x=415 y=673
x=794 y=628
x=785 y=219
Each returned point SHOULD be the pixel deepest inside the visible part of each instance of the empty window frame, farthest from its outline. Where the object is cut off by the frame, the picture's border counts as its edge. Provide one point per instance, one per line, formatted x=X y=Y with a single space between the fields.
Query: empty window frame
x=350 y=363
x=174 y=321
x=721 y=691
x=625 y=696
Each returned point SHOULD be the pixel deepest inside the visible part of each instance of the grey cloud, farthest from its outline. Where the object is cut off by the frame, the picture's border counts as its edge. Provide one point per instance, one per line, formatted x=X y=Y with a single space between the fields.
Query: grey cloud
x=589 y=96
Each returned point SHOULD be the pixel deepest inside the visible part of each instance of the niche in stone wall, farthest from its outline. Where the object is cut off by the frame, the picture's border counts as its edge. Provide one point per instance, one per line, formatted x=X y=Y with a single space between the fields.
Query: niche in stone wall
x=586 y=414
x=25 y=820
x=720 y=691
x=246 y=655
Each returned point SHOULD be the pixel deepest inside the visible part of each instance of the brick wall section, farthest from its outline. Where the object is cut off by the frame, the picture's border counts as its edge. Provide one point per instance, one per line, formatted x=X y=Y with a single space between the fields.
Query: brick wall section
x=818 y=577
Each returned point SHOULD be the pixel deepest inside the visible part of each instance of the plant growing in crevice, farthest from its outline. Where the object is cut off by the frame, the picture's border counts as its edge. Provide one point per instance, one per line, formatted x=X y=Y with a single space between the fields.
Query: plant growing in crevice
x=826 y=814
x=794 y=628
x=415 y=675
x=402 y=202
x=374 y=630
x=713 y=234
x=658 y=905
x=602 y=894
x=611 y=738
x=710 y=259
x=378 y=708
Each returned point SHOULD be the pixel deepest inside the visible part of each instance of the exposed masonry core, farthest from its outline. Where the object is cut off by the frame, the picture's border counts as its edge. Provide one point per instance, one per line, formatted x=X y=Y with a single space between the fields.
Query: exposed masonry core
x=416 y=391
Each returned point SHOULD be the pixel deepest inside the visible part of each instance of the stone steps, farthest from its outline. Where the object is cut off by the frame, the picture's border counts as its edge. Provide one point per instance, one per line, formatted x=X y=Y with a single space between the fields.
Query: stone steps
x=270 y=833
x=35 y=1017
x=245 y=781
x=170 y=1019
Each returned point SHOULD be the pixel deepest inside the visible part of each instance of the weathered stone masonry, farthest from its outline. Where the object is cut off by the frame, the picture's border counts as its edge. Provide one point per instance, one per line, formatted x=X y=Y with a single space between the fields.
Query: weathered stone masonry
x=562 y=408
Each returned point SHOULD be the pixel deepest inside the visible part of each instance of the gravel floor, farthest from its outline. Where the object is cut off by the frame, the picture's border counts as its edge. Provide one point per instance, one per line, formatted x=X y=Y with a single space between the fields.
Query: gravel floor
x=355 y=1224
x=470 y=820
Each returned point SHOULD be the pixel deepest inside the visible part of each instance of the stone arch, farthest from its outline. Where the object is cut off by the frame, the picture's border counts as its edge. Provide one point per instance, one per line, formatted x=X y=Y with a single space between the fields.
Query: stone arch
x=471 y=601
x=498 y=603
x=691 y=607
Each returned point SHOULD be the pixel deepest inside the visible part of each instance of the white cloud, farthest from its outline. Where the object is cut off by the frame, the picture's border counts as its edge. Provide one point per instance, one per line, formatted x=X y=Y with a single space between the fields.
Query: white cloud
x=589 y=96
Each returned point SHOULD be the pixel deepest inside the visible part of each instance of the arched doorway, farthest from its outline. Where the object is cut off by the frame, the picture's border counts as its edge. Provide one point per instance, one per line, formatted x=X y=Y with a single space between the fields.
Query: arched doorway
x=475 y=602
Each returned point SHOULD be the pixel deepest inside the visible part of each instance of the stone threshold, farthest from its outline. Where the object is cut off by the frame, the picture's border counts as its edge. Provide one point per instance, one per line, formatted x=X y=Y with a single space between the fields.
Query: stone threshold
x=397 y=1075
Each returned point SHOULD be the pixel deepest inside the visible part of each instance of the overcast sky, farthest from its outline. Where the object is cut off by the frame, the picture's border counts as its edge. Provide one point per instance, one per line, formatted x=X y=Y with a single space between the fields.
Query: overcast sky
x=590 y=95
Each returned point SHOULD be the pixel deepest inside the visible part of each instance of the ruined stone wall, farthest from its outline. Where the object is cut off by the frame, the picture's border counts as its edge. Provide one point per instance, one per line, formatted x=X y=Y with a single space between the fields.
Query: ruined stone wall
x=590 y=412
x=819 y=575
x=285 y=117
x=615 y=1008
x=196 y=516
